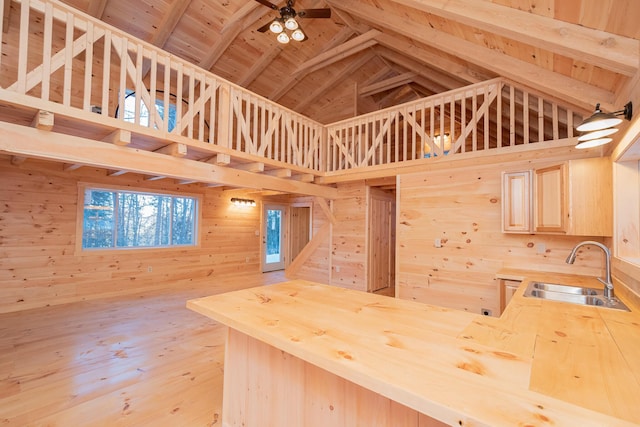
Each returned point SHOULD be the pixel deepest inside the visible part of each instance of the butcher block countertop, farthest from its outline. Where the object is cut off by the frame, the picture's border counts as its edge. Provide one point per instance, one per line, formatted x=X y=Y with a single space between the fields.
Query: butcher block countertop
x=542 y=363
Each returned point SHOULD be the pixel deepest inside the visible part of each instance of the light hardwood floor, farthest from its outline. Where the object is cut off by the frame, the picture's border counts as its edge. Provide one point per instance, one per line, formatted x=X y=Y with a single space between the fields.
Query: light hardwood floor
x=129 y=361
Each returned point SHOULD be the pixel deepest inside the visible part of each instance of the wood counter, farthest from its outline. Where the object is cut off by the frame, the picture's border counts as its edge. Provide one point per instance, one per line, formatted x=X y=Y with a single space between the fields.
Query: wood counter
x=298 y=352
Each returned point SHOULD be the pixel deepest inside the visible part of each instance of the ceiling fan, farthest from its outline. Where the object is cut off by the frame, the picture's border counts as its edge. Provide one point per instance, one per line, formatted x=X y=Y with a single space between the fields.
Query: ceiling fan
x=286 y=27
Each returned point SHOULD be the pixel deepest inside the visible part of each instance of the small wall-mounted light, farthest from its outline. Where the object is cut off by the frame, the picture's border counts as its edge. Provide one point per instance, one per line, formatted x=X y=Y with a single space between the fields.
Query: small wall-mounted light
x=601 y=125
x=243 y=202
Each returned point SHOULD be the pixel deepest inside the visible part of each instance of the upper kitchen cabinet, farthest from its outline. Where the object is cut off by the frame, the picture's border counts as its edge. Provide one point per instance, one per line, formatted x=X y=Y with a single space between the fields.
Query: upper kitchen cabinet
x=572 y=198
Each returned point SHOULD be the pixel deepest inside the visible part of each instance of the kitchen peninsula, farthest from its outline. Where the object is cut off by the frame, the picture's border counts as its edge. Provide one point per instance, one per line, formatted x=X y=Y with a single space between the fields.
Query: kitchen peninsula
x=305 y=354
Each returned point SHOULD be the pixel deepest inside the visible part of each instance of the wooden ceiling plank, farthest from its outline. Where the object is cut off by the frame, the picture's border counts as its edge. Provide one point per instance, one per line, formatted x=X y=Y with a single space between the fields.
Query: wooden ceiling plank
x=348 y=48
x=390 y=83
x=259 y=66
x=606 y=50
x=572 y=91
x=25 y=141
x=331 y=82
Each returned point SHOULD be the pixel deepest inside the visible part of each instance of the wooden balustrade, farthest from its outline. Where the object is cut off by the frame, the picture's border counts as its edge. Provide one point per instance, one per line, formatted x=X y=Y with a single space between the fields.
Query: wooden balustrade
x=488 y=115
x=74 y=60
x=69 y=58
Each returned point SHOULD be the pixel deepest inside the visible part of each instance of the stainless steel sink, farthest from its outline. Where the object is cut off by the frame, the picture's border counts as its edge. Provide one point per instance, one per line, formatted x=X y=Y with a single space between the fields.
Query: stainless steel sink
x=572 y=294
x=565 y=289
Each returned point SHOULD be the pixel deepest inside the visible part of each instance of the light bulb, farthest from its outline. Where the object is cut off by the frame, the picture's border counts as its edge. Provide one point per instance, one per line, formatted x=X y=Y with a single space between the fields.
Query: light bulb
x=291 y=24
x=283 y=38
x=276 y=27
x=298 y=35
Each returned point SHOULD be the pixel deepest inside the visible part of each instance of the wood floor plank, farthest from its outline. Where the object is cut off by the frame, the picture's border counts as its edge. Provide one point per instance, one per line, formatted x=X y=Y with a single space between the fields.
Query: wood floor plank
x=128 y=361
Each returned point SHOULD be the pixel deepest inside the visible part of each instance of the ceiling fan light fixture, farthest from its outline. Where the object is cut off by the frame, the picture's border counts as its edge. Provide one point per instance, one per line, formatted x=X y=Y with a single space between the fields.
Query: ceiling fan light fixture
x=276 y=26
x=291 y=24
x=298 y=35
x=283 y=38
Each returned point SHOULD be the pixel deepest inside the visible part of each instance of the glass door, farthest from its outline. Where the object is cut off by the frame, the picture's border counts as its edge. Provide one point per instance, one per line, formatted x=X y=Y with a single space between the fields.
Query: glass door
x=273 y=238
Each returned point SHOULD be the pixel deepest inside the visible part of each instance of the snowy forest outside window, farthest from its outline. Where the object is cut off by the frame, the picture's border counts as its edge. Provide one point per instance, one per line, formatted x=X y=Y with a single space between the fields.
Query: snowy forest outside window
x=126 y=219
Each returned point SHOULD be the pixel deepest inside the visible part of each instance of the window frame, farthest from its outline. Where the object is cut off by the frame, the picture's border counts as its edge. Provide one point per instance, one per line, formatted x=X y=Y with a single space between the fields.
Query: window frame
x=83 y=186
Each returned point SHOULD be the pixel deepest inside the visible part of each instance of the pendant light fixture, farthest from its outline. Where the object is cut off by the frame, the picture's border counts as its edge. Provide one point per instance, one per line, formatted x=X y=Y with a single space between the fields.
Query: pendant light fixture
x=601 y=125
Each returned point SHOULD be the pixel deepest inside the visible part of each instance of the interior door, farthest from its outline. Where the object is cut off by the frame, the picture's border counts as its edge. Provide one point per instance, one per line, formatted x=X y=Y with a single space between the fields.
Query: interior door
x=273 y=237
x=381 y=251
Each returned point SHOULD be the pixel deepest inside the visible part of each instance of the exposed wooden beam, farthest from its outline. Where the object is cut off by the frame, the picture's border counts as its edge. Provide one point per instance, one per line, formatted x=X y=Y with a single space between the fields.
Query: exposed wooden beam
x=319 y=238
x=440 y=75
x=279 y=173
x=259 y=66
x=236 y=24
x=169 y=22
x=25 y=141
x=303 y=177
x=287 y=83
x=338 y=53
x=324 y=206
x=605 y=50
x=573 y=91
x=43 y=120
x=332 y=81
x=174 y=149
x=251 y=167
x=96 y=8
x=387 y=84
x=118 y=137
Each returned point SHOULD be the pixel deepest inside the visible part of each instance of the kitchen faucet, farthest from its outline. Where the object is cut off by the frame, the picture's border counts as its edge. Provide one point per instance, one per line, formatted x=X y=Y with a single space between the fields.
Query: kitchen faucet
x=608 y=285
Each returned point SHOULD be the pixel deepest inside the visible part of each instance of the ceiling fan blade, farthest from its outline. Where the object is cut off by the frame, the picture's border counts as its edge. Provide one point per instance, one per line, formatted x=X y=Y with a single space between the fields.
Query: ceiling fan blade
x=264 y=28
x=268 y=4
x=314 y=13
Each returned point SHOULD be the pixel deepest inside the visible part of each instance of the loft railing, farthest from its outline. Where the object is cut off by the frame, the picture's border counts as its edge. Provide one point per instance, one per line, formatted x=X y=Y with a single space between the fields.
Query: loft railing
x=69 y=58
x=61 y=56
x=488 y=115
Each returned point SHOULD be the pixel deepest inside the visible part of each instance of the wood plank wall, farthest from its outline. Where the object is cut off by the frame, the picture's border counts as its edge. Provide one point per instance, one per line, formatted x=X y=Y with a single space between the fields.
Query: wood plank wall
x=348 y=237
x=38 y=263
x=462 y=208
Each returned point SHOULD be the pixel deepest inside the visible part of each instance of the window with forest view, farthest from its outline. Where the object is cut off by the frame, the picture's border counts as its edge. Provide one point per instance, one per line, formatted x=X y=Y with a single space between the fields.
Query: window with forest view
x=126 y=219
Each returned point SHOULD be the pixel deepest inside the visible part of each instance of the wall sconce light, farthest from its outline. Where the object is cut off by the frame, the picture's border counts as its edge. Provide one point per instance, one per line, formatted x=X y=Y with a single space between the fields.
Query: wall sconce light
x=601 y=125
x=243 y=202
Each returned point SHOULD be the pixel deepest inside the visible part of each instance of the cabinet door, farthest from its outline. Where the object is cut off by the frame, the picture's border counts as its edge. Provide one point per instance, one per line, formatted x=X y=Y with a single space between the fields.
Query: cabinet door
x=550 y=199
x=591 y=195
x=516 y=202
x=507 y=289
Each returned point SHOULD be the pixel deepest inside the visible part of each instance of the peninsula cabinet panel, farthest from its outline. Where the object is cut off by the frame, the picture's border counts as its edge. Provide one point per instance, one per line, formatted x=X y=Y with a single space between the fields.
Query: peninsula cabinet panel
x=572 y=198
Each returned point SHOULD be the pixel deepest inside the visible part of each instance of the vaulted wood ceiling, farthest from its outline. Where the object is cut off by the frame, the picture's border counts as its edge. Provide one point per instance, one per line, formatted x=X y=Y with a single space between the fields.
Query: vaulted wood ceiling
x=373 y=54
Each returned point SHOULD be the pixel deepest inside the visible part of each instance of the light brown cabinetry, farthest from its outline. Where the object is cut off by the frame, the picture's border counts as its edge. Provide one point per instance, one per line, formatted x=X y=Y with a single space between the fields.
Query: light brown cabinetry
x=572 y=197
x=507 y=289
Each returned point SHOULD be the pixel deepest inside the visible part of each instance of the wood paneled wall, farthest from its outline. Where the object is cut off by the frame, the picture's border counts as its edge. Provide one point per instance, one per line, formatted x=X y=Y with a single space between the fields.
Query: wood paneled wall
x=39 y=265
x=462 y=208
x=349 y=237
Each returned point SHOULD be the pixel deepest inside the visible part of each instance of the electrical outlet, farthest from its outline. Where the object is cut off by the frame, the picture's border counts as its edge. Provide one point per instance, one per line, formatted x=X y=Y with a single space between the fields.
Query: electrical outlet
x=247 y=259
x=337 y=269
x=485 y=312
x=149 y=269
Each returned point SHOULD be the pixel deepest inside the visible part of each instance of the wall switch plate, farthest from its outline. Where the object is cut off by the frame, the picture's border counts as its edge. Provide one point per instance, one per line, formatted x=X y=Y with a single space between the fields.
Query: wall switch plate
x=437 y=243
